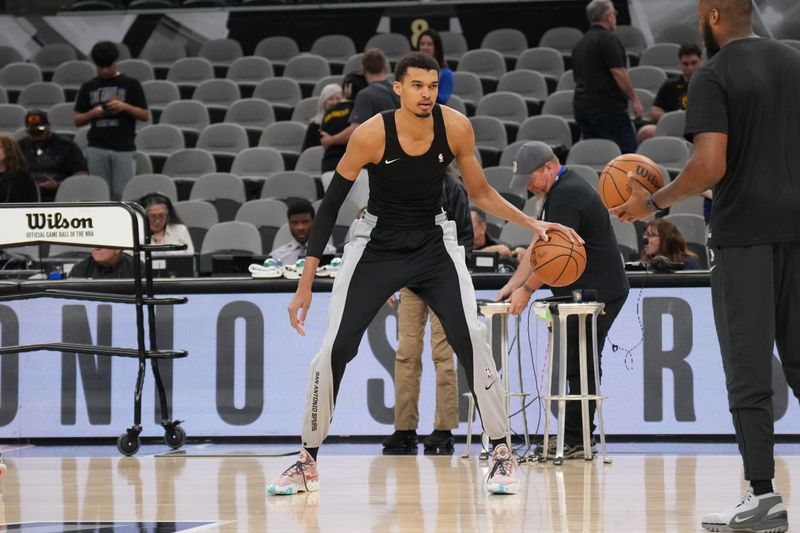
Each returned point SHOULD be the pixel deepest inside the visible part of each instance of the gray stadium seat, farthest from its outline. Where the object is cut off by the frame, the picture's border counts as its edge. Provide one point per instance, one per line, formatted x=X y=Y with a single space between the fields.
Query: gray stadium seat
x=50 y=56
x=690 y=206
x=692 y=227
x=671 y=124
x=393 y=45
x=286 y=137
x=253 y=114
x=509 y=42
x=322 y=82
x=305 y=110
x=143 y=165
x=489 y=66
x=139 y=69
x=226 y=192
x=515 y=236
x=258 y=162
x=190 y=116
x=546 y=61
x=289 y=185
x=224 y=141
x=83 y=188
x=529 y=84
x=199 y=217
x=159 y=94
x=671 y=153
x=71 y=75
x=12 y=117
x=282 y=93
x=158 y=141
x=233 y=236
x=310 y=161
x=41 y=95
x=61 y=117
x=490 y=138
x=16 y=76
x=662 y=55
x=162 y=53
x=144 y=184
x=337 y=49
x=247 y=72
x=567 y=81
x=588 y=174
x=509 y=152
x=562 y=38
x=189 y=72
x=633 y=40
x=307 y=70
x=189 y=163
x=9 y=54
x=679 y=33
x=647 y=77
x=217 y=95
x=454 y=45
x=278 y=49
x=595 y=153
x=510 y=108
x=267 y=215
x=549 y=129
x=457 y=103
x=468 y=87
x=221 y=53
x=627 y=239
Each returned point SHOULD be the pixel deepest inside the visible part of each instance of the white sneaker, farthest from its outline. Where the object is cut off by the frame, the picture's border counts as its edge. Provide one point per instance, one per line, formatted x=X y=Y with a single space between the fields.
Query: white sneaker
x=504 y=476
x=761 y=514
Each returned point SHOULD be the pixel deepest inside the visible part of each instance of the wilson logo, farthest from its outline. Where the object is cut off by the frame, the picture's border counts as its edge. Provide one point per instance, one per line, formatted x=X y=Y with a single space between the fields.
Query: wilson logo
x=57 y=221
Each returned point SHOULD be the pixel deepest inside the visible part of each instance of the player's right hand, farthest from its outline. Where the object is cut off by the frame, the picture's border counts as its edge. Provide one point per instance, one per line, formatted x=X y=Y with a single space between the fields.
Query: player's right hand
x=301 y=302
x=503 y=293
x=519 y=301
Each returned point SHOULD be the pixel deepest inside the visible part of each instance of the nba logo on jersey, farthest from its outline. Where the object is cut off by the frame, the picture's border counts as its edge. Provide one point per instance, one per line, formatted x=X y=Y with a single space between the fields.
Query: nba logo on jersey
x=489 y=373
x=441 y=158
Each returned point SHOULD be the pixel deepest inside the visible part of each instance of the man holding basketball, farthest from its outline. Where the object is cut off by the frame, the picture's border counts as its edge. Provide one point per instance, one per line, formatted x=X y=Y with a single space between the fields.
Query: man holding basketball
x=404 y=240
x=744 y=118
x=570 y=201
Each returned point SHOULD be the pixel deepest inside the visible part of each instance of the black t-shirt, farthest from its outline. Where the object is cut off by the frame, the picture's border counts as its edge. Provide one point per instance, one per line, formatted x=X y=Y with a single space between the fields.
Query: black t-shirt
x=89 y=268
x=18 y=187
x=111 y=132
x=673 y=94
x=335 y=120
x=373 y=99
x=598 y=51
x=750 y=91
x=57 y=157
x=574 y=203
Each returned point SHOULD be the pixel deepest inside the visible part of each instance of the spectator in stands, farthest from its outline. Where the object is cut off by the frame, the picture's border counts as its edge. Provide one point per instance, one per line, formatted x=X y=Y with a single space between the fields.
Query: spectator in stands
x=485 y=243
x=329 y=96
x=337 y=119
x=300 y=216
x=51 y=157
x=16 y=185
x=673 y=93
x=376 y=97
x=429 y=42
x=165 y=225
x=602 y=84
x=661 y=237
x=104 y=263
x=111 y=103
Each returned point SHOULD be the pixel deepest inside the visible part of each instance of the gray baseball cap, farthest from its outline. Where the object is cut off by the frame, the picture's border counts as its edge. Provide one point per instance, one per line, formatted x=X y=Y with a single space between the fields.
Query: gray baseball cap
x=530 y=156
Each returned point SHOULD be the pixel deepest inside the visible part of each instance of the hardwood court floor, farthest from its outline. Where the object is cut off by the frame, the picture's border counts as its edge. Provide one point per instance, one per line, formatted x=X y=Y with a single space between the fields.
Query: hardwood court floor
x=637 y=493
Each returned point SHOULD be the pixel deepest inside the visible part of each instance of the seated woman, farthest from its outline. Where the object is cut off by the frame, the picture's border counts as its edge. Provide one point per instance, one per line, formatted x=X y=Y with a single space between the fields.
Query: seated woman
x=430 y=42
x=165 y=226
x=661 y=237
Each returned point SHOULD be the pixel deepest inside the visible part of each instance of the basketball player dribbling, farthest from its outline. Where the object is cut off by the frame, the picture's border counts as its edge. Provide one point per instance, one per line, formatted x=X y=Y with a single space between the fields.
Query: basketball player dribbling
x=570 y=200
x=744 y=119
x=404 y=240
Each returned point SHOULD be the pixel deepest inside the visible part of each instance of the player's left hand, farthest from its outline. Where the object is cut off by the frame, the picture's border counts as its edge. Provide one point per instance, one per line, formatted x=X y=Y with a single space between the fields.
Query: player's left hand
x=115 y=105
x=635 y=207
x=519 y=301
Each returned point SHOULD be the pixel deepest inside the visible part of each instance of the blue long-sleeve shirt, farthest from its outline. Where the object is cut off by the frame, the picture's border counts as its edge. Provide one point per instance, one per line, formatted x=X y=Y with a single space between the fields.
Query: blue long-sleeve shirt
x=446 y=84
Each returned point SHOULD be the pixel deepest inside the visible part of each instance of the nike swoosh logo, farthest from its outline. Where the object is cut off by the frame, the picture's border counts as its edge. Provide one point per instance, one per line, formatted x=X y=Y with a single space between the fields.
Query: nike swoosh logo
x=489 y=386
x=387 y=162
x=712 y=268
x=745 y=519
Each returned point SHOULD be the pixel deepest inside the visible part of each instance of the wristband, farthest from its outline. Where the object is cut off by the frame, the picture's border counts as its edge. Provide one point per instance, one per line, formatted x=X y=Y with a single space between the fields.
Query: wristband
x=651 y=204
x=525 y=286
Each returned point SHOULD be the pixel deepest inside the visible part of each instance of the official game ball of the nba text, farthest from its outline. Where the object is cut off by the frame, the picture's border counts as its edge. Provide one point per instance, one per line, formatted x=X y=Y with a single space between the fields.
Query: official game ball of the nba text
x=614 y=187
x=558 y=262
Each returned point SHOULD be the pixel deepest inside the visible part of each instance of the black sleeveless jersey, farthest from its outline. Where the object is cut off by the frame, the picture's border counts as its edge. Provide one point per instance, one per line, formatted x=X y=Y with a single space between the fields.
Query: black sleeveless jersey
x=406 y=190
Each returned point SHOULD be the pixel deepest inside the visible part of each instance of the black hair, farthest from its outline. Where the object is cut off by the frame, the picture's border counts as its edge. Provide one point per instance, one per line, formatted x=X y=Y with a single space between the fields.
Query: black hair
x=438 y=52
x=104 y=53
x=300 y=207
x=689 y=49
x=155 y=198
x=352 y=84
x=414 y=60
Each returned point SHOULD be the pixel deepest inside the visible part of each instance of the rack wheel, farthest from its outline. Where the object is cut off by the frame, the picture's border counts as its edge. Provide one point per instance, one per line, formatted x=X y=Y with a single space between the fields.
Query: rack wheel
x=128 y=444
x=175 y=437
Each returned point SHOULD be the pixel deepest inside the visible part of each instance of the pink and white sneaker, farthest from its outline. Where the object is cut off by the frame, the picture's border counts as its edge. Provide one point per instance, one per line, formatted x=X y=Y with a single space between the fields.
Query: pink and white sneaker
x=504 y=476
x=300 y=477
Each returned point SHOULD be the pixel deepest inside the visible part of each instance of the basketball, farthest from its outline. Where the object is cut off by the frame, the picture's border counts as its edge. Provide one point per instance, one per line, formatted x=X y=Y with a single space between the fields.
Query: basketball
x=613 y=186
x=558 y=262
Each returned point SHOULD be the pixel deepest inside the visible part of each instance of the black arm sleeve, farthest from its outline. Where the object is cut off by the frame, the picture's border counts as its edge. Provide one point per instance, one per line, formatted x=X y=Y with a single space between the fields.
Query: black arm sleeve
x=326 y=215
